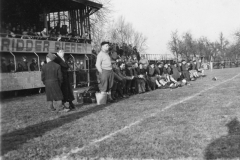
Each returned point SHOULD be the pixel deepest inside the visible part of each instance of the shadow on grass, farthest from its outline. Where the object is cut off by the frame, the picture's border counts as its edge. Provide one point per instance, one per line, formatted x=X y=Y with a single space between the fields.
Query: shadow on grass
x=226 y=147
x=13 y=140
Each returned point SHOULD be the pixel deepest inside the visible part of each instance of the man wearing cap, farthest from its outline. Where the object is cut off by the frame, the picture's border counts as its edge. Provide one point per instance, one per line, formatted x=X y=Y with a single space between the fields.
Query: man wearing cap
x=66 y=86
x=51 y=76
x=104 y=67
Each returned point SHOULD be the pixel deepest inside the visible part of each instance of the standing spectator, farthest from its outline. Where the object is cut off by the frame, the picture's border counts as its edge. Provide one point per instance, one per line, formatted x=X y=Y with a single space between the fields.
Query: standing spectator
x=104 y=67
x=66 y=86
x=23 y=66
x=11 y=66
x=51 y=76
x=3 y=68
x=42 y=63
x=34 y=65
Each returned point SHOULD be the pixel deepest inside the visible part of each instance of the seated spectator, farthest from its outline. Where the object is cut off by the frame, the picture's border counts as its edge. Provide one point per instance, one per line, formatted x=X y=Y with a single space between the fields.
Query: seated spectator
x=74 y=33
x=58 y=35
x=142 y=74
x=63 y=30
x=166 y=72
x=185 y=72
x=193 y=69
x=44 y=32
x=11 y=66
x=3 y=66
x=151 y=71
x=34 y=65
x=175 y=73
x=18 y=30
x=25 y=34
x=199 y=68
x=52 y=33
x=23 y=65
x=57 y=28
x=12 y=32
x=116 y=91
x=127 y=78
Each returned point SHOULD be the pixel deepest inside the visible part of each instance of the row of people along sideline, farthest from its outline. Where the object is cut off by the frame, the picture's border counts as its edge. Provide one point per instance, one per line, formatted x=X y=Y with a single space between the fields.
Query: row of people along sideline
x=8 y=66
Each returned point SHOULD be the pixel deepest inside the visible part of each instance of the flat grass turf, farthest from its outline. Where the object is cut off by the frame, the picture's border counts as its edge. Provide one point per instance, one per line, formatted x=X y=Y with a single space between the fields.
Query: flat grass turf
x=204 y=127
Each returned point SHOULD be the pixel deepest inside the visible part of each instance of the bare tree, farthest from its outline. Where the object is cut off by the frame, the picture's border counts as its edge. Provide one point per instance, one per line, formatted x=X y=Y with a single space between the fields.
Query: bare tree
x=139 y=40
x=98 y=22
x=122 y=32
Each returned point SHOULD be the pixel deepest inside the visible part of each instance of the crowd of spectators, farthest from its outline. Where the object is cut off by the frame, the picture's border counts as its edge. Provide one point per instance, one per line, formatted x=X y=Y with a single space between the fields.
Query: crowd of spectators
x=27 y=31
x=135 y=75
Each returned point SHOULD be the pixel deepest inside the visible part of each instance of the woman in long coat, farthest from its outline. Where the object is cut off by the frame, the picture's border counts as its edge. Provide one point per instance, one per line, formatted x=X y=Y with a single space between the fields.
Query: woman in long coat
x=66 y=86
x=51 y=76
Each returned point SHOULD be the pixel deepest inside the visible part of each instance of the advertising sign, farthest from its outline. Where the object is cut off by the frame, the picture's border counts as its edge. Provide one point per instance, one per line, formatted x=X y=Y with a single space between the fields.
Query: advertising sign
x=44 y=46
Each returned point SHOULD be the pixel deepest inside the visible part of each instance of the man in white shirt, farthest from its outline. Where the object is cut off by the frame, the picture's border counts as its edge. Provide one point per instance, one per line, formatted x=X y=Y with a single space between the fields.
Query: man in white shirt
x=104 y=67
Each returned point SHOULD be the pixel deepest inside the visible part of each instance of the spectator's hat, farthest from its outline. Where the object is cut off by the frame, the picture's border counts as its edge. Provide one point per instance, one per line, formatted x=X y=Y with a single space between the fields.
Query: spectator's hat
x=183 y=60
x=194 y=60
x=129 y=64
x=104 y=42
x=151 y=63
x=24 y=57
x=3 y=59
x=159 y=62
x=51 y=56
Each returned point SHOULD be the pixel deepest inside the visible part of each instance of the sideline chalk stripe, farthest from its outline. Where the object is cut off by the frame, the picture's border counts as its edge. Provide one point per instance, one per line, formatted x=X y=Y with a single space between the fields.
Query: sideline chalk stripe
x=76 y=150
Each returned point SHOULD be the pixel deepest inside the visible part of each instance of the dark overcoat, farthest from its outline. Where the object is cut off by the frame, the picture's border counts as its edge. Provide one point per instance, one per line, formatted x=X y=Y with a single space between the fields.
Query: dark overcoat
x=66 y=86
x=52 y=79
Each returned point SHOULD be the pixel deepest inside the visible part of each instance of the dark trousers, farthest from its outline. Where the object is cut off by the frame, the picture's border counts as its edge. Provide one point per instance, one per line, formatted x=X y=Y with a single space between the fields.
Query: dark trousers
x=186 y=75
x=106 y=80
x=141 y=85
x=152 y=82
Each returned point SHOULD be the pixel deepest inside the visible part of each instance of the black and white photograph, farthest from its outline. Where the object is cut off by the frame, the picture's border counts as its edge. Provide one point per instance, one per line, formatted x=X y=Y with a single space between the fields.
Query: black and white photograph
x=120 y=80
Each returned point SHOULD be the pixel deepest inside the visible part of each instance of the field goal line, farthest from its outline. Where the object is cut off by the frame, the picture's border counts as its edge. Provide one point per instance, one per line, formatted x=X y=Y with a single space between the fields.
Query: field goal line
x=93 y=142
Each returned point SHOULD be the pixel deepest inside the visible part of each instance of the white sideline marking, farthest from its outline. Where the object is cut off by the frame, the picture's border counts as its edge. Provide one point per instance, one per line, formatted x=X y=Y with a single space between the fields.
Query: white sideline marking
x=64 y=156
x=228 y=104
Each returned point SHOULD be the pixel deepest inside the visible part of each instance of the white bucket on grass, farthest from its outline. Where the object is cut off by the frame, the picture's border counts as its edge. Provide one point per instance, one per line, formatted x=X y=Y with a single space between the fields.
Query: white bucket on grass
x=101 y=98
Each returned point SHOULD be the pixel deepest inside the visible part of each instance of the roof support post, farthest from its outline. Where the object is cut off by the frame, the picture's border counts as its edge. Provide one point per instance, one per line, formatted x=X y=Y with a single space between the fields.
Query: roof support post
x=74 y=72
x=88 y=73
x=38 y=60
x=45 y=19
x=15 y=62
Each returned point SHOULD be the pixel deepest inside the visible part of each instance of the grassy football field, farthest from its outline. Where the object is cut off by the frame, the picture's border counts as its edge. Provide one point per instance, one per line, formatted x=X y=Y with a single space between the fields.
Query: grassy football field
x=200 y=121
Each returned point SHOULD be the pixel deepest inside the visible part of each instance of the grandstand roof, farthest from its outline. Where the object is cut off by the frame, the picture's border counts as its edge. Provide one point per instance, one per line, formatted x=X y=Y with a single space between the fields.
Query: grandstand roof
x=14 y=8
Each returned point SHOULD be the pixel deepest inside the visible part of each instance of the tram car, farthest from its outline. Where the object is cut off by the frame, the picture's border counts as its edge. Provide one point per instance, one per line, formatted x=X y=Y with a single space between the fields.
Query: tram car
x=32 y=28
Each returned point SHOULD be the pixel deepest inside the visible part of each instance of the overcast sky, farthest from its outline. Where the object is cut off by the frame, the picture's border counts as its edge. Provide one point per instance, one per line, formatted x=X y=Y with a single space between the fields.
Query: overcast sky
x=158 y=18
